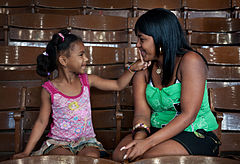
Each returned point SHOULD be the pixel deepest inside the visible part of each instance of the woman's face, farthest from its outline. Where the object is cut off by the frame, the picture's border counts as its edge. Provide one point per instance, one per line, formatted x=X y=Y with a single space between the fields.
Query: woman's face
x=146 y=46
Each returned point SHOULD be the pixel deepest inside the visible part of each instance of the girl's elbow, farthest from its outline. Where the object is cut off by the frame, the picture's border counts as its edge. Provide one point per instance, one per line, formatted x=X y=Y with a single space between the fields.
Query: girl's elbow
x=43 y=122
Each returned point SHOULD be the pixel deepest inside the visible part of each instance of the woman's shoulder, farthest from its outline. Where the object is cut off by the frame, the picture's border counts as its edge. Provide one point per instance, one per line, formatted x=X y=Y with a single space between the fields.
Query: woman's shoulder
x=191 y=63
x=142 y=75
x=192 y=57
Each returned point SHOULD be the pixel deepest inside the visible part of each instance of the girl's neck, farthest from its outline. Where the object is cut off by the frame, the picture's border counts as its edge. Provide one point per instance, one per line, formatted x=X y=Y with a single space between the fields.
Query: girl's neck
x=67 y=77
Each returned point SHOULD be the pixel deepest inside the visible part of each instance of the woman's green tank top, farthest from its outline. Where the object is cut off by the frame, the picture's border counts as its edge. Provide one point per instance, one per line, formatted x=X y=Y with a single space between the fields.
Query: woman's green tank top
x=164 y=104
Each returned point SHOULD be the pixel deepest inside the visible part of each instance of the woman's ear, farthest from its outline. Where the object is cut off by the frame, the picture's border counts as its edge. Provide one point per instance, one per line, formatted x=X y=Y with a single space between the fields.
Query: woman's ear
x=62 y=60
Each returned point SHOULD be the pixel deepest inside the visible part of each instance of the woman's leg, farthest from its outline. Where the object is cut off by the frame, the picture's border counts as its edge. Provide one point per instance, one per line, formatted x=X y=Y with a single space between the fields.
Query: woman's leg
x=60 y=151
x=169 y=147
x=117 y=154
x=89 y=151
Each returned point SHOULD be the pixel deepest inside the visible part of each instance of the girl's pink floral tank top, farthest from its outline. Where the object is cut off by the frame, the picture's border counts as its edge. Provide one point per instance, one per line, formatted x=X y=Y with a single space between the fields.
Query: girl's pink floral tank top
x=71 y=114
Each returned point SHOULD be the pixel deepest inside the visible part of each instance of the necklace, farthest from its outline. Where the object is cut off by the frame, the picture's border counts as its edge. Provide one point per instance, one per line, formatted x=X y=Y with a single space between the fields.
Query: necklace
x=158 y=71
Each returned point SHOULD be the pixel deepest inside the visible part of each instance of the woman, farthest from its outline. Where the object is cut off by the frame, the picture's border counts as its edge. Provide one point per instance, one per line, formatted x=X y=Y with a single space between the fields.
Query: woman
x=172 y=114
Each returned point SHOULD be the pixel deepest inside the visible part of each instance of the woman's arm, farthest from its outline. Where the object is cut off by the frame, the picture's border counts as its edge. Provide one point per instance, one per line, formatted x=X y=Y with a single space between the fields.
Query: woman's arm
x=142 y=111
x=40 y=124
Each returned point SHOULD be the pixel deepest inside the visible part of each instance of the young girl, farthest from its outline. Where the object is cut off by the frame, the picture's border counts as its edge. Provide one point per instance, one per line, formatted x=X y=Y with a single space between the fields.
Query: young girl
x=67 y=98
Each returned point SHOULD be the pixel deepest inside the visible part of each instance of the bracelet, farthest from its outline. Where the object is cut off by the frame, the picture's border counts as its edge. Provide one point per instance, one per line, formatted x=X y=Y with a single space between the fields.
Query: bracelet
x=140 y=127
x=130 y=69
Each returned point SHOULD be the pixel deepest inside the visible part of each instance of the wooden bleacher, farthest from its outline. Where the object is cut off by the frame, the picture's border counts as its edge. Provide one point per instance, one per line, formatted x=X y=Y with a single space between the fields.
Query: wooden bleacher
x=208 y=25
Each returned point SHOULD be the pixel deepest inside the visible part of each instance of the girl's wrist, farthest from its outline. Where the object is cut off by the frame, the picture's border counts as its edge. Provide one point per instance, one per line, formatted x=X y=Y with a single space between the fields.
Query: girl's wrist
x=129 y=69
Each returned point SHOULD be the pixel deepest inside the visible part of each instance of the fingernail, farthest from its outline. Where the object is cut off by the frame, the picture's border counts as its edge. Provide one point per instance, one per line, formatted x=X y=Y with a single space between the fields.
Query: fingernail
x=125 y=157
x=122 y=148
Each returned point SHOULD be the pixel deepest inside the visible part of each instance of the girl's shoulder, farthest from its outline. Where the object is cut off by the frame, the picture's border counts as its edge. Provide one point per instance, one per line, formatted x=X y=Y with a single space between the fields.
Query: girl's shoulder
x=49 y=86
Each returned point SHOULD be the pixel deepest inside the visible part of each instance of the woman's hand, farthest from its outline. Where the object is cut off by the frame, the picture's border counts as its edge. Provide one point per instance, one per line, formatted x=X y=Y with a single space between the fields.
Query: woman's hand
x=135 y=149
x=20 y=155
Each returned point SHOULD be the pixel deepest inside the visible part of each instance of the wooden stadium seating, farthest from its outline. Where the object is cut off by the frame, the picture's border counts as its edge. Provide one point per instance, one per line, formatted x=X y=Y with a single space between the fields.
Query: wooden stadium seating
x=205 y=8
x=223 y=64
x=16 y=6
x=106 y=62
x=3 y=29
x=18 y=65
x=111 y=8
x=235 y=8
x=11 y=106
x=141 y=6
x=213 y=31
x=127 y=110
x=34 y=29
x=225 y=101
x=70 y=7
x=98 y=30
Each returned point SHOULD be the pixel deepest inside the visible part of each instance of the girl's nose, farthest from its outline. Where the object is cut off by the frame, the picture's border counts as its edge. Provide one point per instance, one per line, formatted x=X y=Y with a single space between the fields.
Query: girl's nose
x=85 y=58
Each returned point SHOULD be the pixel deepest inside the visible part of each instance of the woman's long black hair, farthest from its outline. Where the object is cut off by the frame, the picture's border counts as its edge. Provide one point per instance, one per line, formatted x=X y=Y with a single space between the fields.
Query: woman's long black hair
x=167 y=33
x=47 y=61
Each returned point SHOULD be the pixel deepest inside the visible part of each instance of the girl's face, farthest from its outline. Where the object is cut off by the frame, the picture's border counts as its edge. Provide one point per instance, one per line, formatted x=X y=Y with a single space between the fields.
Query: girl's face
x=76 y=63
x=146 y=46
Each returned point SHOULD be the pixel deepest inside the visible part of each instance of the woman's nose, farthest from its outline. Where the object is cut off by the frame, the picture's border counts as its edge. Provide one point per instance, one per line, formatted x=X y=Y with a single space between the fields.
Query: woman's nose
x=138 y=43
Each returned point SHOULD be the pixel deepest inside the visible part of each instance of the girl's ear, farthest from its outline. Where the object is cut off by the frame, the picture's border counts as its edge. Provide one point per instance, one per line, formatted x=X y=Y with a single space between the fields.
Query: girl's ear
x=62 y=60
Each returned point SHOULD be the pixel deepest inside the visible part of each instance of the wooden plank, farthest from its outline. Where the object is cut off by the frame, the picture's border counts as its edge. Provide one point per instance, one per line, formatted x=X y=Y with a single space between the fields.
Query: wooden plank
x=230 y=141
x=7 y=141
x=7 y=120
x=103 y=99
x=104 y=118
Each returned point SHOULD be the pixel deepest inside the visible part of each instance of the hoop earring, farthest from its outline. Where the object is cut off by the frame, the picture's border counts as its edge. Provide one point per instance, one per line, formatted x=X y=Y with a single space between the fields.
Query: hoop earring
x=160 y=50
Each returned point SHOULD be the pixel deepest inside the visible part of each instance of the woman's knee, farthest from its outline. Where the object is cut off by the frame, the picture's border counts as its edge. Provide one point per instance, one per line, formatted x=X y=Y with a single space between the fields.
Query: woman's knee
x=169 y=147
x=117 y=154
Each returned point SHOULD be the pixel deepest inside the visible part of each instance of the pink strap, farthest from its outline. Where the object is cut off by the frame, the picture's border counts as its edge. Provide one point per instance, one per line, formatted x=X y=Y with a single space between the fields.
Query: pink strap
x=84 y=80
x=49 y=87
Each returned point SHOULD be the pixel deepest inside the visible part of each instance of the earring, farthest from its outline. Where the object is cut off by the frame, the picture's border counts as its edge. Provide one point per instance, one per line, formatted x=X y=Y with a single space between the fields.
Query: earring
x=160 y=49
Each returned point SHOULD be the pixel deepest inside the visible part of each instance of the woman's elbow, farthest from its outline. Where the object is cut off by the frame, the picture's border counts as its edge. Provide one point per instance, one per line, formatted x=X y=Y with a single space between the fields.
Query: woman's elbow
x=189 y=119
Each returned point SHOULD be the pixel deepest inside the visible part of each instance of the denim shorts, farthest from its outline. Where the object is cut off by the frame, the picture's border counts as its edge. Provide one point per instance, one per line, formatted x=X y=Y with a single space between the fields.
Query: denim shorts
x=73 y=146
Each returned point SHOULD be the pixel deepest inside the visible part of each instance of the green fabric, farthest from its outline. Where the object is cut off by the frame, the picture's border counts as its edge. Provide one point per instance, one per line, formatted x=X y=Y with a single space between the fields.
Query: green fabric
x=163 y=111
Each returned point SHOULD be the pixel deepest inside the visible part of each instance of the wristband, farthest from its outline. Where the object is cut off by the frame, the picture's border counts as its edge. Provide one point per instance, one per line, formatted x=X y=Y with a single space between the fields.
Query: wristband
x=130 y=69
x=140 y=127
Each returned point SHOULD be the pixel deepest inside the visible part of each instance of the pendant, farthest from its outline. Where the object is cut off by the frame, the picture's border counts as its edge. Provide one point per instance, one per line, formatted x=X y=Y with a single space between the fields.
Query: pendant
x=158 y=71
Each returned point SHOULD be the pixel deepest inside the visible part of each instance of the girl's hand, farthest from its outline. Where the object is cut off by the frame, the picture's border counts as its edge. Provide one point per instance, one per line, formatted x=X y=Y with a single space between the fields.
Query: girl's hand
x=135 y=149
x=140 y=64
x=20 y=155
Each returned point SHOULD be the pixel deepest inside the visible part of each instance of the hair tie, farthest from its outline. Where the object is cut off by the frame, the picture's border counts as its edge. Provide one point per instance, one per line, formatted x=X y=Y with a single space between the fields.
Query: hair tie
x=61 y=35
x=45 y=53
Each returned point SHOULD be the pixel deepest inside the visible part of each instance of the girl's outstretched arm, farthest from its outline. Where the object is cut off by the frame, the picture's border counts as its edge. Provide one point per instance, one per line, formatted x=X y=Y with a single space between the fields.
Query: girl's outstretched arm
x=120 y=83
x=39 y=126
